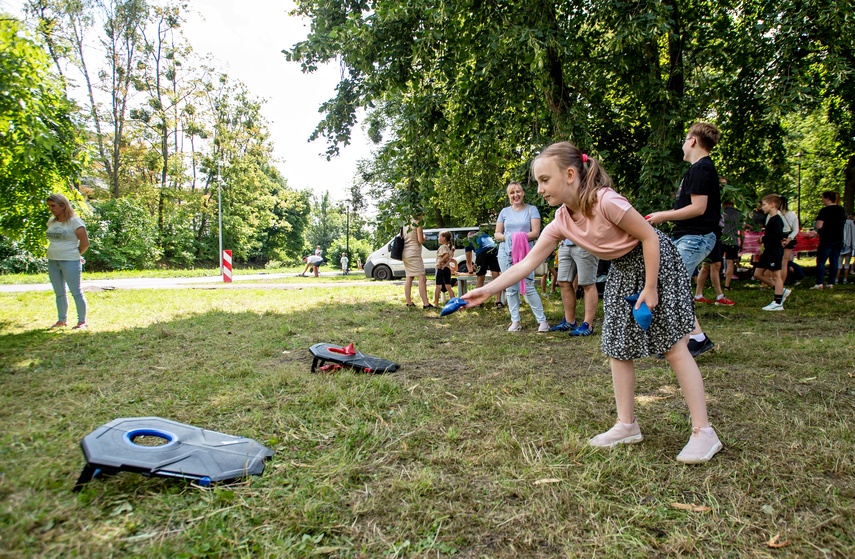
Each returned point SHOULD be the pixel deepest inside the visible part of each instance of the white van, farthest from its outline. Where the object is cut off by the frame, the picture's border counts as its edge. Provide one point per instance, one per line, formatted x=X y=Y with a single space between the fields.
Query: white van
x=380 y=265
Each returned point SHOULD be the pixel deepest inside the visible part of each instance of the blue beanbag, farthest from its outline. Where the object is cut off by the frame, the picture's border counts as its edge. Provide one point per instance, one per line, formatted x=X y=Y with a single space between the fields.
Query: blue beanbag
x=642 y=315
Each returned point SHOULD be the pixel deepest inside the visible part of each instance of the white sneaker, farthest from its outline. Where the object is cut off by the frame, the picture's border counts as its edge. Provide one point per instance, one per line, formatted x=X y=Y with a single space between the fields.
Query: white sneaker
x=817 y=286
x=773 y=306
x=544 y=327
x=785 y=295
x=621 y=433
x=515 y=327
x=702 y=445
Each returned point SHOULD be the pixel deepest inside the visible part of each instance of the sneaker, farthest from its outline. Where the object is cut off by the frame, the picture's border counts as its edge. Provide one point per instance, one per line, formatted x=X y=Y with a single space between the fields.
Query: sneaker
x=785 y=295
x=702 y=445
x=584 y=329
x=563 y=326
x=58 y=324
x=773 y=306
x=703 y=299
x=697 y=348
x=80 y=326
x=515 y=327
x=830 y=286
x=621 y=433
x=725 y=301
x=544 y=327
x=818 y=286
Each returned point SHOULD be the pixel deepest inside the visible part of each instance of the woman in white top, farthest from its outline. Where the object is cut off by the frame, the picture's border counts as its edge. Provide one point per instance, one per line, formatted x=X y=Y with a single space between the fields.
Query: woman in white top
x=68 y=241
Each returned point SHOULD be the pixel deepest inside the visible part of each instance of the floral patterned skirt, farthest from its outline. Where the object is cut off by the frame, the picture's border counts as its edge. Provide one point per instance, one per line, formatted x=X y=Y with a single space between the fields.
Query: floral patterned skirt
x=673 y=317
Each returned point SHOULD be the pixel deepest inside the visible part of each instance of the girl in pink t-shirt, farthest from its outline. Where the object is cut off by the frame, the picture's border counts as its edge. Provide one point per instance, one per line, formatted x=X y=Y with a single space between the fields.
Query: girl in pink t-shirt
x=643 y=262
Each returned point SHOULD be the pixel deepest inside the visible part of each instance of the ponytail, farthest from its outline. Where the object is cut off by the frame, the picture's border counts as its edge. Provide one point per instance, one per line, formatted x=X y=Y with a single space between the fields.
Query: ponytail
x=592 y=176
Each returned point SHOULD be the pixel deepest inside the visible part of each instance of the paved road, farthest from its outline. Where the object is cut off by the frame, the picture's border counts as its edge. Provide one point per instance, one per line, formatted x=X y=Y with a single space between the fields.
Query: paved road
x=208 y=282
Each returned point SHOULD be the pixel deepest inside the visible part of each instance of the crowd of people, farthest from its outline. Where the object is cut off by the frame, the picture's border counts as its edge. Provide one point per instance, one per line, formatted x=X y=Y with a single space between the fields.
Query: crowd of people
x=647 y=270
x=594 y=224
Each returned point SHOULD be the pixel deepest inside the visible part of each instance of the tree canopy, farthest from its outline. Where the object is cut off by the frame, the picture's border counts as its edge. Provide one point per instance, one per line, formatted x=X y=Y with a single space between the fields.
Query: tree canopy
x=462 y=94
x=41 y=143
x=169 y=136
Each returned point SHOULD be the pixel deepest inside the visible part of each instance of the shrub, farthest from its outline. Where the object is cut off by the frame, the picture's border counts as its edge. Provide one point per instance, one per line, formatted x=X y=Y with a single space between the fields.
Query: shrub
x=15 y=260
x=123 y=235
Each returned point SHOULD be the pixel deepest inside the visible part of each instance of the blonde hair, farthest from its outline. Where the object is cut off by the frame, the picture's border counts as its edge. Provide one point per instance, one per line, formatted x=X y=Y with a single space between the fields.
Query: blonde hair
x=707 y=134
x=772 y=199
x=592 y=176
x=63 y=202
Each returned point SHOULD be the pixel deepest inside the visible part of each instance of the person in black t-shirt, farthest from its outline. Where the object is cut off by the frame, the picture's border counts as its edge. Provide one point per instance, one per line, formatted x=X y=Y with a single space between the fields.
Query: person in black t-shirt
x=829 y=227
x=773 y=253
x=697 y=212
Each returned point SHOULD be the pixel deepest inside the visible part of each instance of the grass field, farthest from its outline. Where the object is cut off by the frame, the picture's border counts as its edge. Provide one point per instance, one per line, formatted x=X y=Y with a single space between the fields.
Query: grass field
x=476 y=447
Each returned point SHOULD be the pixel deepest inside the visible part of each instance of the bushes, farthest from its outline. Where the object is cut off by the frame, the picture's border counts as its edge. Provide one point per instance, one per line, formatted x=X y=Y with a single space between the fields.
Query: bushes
x=123 y=235
x=15 y=260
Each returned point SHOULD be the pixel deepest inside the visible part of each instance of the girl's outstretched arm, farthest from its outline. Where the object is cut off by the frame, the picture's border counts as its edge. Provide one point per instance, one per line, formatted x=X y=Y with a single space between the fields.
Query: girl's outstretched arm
x=638 y=227
x=512 y=275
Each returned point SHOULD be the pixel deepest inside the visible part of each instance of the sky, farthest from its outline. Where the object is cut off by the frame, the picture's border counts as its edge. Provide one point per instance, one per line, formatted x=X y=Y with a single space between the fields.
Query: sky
x=245 y=39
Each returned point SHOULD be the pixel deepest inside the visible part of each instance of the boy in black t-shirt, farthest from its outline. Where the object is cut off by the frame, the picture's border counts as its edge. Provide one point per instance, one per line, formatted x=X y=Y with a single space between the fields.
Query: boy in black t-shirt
x=696 y=212
x=773 y=253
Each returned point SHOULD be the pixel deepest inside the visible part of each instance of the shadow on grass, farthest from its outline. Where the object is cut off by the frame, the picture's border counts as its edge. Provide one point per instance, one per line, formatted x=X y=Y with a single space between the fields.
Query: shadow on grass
x=476 y=447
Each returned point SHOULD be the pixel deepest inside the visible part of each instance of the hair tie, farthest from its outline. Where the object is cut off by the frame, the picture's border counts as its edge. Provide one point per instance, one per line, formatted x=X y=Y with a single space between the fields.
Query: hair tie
x=584 y=158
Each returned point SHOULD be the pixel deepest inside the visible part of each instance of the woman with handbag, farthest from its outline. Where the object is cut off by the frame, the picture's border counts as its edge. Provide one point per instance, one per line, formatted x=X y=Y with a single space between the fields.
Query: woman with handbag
x=414 y=264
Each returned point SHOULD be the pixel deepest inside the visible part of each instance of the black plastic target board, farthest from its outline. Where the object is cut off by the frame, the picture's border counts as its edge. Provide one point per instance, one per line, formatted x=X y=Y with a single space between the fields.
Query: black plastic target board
x=356 y=360
x=184 y=451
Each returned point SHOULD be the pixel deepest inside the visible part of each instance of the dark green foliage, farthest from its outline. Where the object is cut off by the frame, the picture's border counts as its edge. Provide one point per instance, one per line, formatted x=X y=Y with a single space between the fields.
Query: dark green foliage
x=124 y=236
x=15 y=260
x=465 y=94
x=41 y=147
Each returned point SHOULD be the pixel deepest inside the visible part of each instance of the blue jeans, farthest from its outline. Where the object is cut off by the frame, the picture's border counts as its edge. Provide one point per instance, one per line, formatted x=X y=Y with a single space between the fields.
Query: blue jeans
x=693 y=249
x=512 y=294
x=62 y=272
x=830 y=252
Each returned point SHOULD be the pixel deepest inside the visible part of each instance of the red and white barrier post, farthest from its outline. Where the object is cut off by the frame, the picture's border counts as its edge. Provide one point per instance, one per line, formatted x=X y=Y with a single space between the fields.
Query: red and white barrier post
x=227 y=266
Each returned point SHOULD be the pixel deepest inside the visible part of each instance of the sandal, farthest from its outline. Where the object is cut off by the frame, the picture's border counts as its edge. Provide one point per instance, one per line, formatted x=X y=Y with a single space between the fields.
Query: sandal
x=428 y=306
x=411 y=304
x=500 y=305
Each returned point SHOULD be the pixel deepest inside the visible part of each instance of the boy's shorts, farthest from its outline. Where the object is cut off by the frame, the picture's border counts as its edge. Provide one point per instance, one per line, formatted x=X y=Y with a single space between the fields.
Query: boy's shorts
x=574 y=260
x=731 y=252
x=487 y=260
x=694 y=249
x=715 y=254
x=771 y=259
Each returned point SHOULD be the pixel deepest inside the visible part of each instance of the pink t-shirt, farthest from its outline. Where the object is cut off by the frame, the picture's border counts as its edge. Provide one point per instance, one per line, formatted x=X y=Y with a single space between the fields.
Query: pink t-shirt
x=599 y=234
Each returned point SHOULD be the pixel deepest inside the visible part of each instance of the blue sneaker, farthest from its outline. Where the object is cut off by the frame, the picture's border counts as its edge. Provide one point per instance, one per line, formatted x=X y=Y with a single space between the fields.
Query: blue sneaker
x=584 y=329
x=563 y=326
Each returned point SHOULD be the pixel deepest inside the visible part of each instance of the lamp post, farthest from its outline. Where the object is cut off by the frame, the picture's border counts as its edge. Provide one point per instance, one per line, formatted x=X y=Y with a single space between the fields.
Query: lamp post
x=799 y=156
x=220 y=217
x=347 y=230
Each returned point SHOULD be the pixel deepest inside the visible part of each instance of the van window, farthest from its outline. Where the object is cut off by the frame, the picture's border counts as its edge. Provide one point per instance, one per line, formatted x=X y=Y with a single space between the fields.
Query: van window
x=460 y=239
x=431 y=240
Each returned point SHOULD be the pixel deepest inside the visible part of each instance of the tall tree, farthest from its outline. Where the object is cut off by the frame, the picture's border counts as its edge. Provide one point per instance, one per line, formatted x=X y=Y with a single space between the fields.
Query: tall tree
x=66 y=26
x=467 y=91
x=41 y=143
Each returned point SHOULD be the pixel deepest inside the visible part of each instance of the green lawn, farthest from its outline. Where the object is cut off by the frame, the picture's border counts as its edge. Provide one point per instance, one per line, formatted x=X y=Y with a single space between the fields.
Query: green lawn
x=476 y=447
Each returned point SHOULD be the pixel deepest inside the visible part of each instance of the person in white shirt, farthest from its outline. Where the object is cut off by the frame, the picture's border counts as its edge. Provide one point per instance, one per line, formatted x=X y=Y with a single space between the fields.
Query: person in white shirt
x=68 y=240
